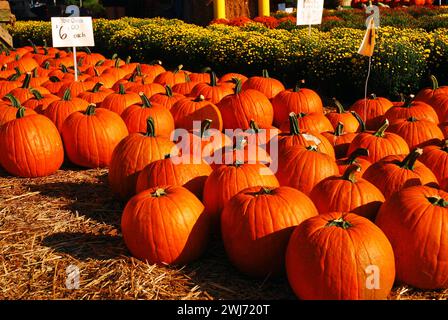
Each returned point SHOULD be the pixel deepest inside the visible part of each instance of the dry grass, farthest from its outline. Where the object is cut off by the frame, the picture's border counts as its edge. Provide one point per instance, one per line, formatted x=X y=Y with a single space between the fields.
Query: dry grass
x=71 y=218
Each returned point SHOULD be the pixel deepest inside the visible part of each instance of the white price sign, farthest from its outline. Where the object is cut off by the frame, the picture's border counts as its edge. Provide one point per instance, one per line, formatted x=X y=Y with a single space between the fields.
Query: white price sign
x=309 y=12
x=72 y=32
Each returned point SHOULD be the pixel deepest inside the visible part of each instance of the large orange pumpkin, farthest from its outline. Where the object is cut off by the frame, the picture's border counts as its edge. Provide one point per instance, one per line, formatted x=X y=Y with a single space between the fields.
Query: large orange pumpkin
x=227 y=180
x=417 y=132
x=167 y=99
x=256 y=225
x=212 y=91
x=347 y=193
x=340 y=140
x=372 y=110
x=168 y=171
x=59 y=110
x=303 y=167
x=315 y=122
x=395 y=172
x=270 y=87
x=414 y=221
x=118 y=102
x=30 y=146
x=347 y=119
x=412 y=108
x=165 y=225
x=380 y=143
x=340 y=256
x=297 y=100
x=171 y=77
x=427 y=94
x=355 y=158
x=8 y=112
x=435 y=157
x=240 y=108
x=135 y=117
x=134 y=153
x=90 y=137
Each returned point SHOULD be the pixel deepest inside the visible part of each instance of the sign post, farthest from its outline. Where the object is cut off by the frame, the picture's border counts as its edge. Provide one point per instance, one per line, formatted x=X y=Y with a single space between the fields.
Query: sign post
x=72 y=32
x=309 y=12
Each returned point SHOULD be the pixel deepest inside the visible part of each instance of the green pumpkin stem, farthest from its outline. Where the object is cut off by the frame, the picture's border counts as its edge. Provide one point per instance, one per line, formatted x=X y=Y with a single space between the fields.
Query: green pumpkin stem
x=158 y=193
x=361 y=122
x=67 y=95
x=265 y=73
x=91 y=110
x=380 y=132
x=168 y=91
x=46 y=65
x=14 y=102
x=254 y=126
x=97 y=87
x=350 y=172
x=187 y=78
x=145 y=101
x=412 y=119
x=360 y=152
x=294 y=128
x=37 y=95
x=128 y=60
x=154 y=62
x=87 y=50
x=35 y=74
x=20 y=112
x=150 y=127
x=312 y=148
x=33 y=46
x=445 y=145
x=64 y=68
x=205 y=126
x=411 y=158
x=117 y=62
x=438 y=201
x=213 y=79
x=340 y=223
x=26 y=82
x=121 y=89
x=339 y=131
x=264 y=190
x=179 y=67
x=339 y=106
x=372 y=96
x=434 y=82
x=238 y=85
x=55 y=79
x=100 y=63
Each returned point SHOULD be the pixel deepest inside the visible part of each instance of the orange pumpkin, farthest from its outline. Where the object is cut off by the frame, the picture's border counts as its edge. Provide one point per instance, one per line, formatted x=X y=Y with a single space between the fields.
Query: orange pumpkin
x=372 y=110
x=118 y=102
x=270 y=87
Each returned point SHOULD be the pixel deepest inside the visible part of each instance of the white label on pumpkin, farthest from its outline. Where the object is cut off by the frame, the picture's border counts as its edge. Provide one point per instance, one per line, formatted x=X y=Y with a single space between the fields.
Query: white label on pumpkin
x=310 y=137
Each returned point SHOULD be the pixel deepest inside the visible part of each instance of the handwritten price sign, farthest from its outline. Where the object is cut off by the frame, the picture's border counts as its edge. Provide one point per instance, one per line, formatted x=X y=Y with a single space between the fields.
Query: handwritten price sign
x=309 y=12
x=72 y=32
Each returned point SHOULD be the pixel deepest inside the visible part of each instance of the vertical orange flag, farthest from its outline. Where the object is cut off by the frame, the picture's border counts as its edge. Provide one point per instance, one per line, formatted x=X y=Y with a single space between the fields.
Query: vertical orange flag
x=368 y=43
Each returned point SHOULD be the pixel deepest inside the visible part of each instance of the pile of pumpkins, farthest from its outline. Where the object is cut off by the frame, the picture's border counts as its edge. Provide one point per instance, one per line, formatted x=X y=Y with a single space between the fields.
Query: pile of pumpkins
x=344 y=202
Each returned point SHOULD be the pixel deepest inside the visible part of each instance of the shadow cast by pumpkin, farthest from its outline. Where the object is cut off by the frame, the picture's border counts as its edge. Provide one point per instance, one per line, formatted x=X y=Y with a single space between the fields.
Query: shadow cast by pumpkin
x=91 y=199
x=83 y=246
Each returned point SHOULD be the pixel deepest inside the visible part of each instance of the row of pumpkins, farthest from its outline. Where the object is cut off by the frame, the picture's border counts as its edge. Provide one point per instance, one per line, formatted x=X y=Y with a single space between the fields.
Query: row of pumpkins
x=349 y=202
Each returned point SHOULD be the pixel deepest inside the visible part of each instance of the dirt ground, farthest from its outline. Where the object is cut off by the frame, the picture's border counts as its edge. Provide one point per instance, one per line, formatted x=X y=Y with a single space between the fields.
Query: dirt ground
x=71 y=218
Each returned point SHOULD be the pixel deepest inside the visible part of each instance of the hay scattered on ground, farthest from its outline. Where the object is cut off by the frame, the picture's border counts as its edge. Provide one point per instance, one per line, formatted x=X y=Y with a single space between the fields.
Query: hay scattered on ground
x=71 y=218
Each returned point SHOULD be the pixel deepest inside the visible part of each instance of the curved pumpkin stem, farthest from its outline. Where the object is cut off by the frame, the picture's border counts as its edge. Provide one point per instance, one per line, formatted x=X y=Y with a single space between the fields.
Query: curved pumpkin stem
x=100 y=63
x=97 y=87
x=14 y=102
x=339 y=106
x=26 y=82
x=264 y=191
x=339 y=131
x=145 y=101
x=55 y=79
x=380 y=132
x=150 y=127
x=438 y=201
x=37 y=95
x=179 y=67
x=168 y=91
x=350 y=173
x=254 y=126
x=238 y=85
x=159 y=193
x=294 y=128
x=411 y=158
x=213 y=79
x=187 y=78
x=265 y=73
x=117 y=62
x=67 y=95
x=96 y=72
x=33 y=46
x=372 y=96
x=91 y=110
x=64 y=68
x=361 y=122
x=312 y=148
x=434 y=82
x=128 y=60
x=205 y=126
x=360 y=152
x=20 y=113
x=121 y=89
x=298 y=85
x=87 y=50
x=46 y=65
x=340 y=223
